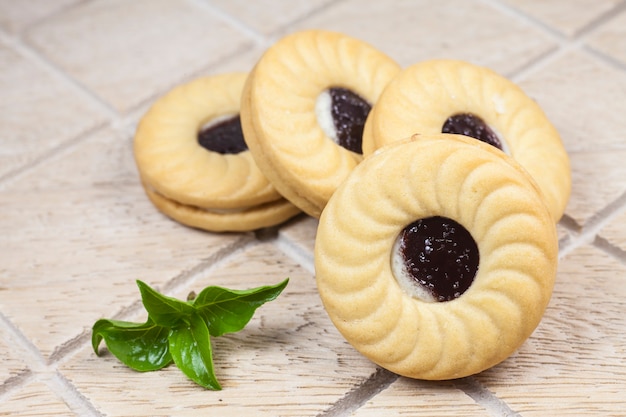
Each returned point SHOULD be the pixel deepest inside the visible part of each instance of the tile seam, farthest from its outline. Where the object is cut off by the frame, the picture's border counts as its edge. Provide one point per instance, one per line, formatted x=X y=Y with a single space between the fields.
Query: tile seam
x=28 y=351
x=30 y=52
x=587 y=30
x=358 y=396
x=71 y=396
x=235 y=23
x=213 y=261
x=603 y=57
x=300 y=255
x=483 y=397
x=553 y=33
x=50 y=154
x=16 y=382
x=287 y=27
x=604 y=245
x=590 y=229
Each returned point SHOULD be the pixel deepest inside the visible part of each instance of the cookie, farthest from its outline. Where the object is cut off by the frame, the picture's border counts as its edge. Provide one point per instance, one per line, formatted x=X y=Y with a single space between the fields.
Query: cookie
x=303 y=110
x=195 y=165
x=446 y=96
x=436 y=258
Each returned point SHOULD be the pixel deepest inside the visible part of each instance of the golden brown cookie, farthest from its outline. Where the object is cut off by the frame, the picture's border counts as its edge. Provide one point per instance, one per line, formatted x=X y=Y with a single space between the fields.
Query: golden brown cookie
x=436 y=258
x=446 y=96
x=286 y=107
x=195 y=165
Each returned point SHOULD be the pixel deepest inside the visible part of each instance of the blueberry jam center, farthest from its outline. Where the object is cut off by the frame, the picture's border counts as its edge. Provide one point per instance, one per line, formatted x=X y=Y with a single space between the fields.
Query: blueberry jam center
x=440 y=255
x=225 y=137
x=349 y=112
x=471 y=125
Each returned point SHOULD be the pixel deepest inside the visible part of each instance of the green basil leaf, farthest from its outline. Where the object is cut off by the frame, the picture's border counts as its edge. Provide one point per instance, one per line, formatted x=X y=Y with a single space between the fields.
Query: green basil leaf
x=228 y=311
x=190 y=346
x=140 y=346
x=164 y=310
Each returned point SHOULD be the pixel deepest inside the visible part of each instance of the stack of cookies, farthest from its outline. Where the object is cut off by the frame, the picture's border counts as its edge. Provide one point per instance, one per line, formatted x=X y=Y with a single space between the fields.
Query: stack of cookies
x=437 y=189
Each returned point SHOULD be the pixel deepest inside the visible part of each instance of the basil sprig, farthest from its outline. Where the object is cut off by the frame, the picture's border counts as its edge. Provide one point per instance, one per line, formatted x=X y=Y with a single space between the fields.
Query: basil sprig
x=180 y=331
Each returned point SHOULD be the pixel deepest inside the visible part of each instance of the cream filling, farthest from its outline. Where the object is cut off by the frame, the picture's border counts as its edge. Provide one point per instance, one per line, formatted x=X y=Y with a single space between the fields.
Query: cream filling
x=207 y=124
x=505 y=146
x=403 y=276
x=323 y=106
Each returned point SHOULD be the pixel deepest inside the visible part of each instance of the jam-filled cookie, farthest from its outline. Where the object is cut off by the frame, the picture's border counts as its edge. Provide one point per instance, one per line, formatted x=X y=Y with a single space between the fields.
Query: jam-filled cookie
x=303 y=110
x=447 y=96
x=195 y=165
x=436 y=258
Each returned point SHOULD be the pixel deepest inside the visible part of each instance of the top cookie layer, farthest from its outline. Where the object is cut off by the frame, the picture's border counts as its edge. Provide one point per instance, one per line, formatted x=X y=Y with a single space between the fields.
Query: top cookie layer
x=279 y=116
x=172 y=162
x=423 y=96
x=481 y=189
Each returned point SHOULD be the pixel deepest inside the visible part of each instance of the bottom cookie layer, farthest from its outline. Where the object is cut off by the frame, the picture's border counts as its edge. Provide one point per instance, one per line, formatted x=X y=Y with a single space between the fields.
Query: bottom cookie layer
x=246 y=219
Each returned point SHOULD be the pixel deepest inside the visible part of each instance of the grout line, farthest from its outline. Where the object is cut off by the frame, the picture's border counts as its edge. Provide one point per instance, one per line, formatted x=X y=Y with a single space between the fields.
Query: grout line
x=51 y=16
x=75 y=401
x=485 y=398
x=50 y=154
x=31 y=53
x=604 y=58
x=29 y=352
x=15 y=382
x=521 y=16
x=358 y=396
x=585 y=31
x=296 y=253
x=588 y=232
x=214 y=261
x=607 y=247
x=258 y=38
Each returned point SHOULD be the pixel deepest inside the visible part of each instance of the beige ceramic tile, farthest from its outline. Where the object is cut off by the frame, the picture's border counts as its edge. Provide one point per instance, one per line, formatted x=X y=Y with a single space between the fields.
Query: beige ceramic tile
x=266 y=16
x=597 y=181
x=38 y=111
x=420 y=398
x=13 y=366
x=573 y=365
x=289 y=360
x=300 y=233
x=611 y=38
x=35 y=399
x=584 y=98
x=614 y=232
x=77 y=232
x=125 y=51
x=15 y=15
x=566 y=16
x=415 y=30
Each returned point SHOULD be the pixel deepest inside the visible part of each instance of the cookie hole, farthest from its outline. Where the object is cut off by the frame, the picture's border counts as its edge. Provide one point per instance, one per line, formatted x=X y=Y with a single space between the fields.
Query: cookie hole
x=471 y=125
x=223 y=135
x=341 y=114
x=435 y=259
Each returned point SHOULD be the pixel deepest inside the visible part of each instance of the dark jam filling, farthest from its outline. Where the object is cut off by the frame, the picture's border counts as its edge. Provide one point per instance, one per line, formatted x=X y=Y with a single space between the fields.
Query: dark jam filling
x=349 y=112
x=440 y=255
x=473 y=126
x=225 y=137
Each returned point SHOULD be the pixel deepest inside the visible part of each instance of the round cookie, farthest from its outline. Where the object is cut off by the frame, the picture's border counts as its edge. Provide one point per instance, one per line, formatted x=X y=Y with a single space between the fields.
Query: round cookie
x=194 y=163
x=447 y=96
x=436 y=258
x=285 y=111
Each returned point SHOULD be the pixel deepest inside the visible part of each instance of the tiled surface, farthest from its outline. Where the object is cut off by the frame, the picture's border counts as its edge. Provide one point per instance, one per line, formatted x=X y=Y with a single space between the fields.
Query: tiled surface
x=76 y=230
